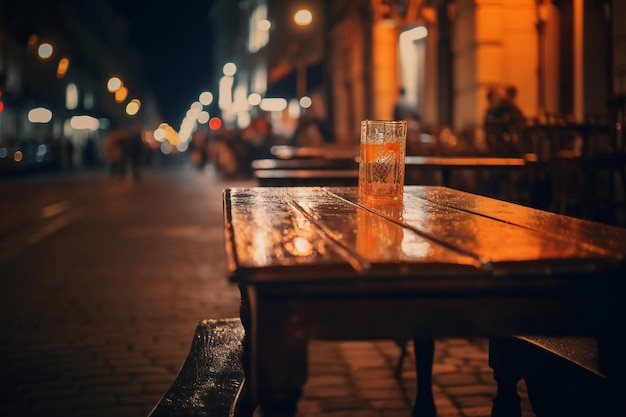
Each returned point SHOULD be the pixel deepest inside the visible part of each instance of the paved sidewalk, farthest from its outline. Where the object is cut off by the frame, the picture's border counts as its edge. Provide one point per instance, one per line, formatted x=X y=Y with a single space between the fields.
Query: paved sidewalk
x=99 y=313
x=357 y=379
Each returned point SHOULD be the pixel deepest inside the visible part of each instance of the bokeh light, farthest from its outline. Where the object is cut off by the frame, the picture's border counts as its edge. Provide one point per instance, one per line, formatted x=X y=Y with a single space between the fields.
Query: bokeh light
x=303 y=17
x=114 y=84
x=206 y=98
x=215 y=123
x=132 y=108
x=305 y=102
x=45 y=50
x=39 y=115
x=229 y=69
x=254 y=99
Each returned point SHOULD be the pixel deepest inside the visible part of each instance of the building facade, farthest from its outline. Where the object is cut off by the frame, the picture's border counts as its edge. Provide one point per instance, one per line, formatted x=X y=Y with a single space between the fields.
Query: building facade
x=564 y=57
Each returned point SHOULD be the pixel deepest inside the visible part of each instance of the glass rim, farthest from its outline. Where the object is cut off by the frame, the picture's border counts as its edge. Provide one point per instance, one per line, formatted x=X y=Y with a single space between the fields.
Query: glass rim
x=379 y=121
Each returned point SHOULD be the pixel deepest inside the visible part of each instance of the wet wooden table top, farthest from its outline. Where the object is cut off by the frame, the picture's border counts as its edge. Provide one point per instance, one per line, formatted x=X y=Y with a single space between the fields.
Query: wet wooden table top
x=314 y=233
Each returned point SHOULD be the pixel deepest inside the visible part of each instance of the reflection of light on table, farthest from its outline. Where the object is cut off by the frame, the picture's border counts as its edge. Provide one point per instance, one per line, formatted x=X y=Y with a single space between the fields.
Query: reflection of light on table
x=300 y=247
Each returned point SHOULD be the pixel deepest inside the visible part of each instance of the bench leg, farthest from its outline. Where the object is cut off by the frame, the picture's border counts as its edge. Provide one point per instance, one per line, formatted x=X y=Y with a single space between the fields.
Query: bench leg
x=507 y=371
x=243 y=405
x=424 y=357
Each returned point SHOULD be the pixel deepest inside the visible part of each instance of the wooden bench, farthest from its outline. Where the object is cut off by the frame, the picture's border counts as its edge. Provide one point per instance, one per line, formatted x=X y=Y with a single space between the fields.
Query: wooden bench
x=446 y=164
x=328 y=151
x=493 y=175
x=209 y=381
x=562 y=376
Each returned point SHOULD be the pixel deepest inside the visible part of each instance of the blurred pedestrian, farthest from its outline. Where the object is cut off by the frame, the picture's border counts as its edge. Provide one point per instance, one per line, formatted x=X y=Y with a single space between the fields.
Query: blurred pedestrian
x=68 y=153
x=403 y=110
x=89 y=153
x=113 y=146
x=134 y=151
x=513 y=115
x=504 y=122
x=312 y=129
x=257 y=140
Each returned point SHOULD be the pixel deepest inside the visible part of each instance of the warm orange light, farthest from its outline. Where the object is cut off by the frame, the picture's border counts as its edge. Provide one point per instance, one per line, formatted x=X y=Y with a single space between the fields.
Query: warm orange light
x=303 y=17
x=64 y=64
x=132 y=108
x=121 y=94
x=17 y=156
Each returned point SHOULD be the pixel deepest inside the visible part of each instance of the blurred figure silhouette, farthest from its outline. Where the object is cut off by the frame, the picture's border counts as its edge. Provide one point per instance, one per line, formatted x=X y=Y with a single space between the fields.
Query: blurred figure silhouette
x=113 y=146
x=312 y=129
x=133 y=150
x=257 y=140
x=513 y=116
x=503 y=122
x=89 y=154
x=402 y=110
x=68 y=153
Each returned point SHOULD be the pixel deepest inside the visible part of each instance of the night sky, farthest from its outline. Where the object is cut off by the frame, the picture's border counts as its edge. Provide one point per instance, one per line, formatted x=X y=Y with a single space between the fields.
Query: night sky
x=174 y=40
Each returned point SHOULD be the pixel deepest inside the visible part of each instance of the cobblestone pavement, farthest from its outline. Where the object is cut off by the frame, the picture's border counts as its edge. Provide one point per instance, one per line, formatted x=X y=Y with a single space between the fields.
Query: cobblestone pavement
x=103 y=283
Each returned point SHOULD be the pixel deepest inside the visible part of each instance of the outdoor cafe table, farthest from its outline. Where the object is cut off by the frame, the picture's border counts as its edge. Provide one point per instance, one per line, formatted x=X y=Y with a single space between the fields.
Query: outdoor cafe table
x=318 y=263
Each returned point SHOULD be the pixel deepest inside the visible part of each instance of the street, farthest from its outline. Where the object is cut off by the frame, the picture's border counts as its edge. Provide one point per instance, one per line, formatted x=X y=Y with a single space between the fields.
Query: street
x=104 y=280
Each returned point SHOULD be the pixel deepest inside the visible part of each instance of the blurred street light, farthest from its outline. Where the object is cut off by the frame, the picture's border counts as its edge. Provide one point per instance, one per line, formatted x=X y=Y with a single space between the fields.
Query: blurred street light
x=206 y=98
x=114 y=84
x=132 y=108
x=229 y=69
x=45 y=50
x=302 y=17
x=62 y=67
x=121 y=94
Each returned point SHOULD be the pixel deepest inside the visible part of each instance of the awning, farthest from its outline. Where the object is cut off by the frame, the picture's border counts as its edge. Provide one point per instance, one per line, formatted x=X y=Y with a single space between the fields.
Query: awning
x=286 y=87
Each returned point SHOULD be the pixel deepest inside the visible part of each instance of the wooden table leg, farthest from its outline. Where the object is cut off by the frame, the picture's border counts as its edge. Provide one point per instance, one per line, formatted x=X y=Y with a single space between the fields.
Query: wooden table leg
x=424 y=357
x=279 y=358
x=507 y=371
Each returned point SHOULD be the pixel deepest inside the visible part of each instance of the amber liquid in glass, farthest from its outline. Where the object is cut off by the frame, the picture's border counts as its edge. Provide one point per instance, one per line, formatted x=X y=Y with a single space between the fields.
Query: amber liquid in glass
x=381 y=171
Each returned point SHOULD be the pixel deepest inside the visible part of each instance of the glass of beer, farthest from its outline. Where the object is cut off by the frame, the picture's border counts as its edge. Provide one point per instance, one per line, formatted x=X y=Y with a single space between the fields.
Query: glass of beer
x=381 y=163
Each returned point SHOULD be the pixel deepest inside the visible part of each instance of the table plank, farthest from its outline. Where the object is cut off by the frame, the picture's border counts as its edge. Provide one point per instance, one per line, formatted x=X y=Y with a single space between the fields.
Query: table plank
x=438 y=230
x=327 y=236
x=463 y=162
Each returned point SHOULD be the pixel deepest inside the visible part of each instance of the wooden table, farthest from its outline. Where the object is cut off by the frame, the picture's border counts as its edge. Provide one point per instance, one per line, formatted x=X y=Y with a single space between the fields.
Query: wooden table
x=316 y=263
x=447 y=164
x=306 y=172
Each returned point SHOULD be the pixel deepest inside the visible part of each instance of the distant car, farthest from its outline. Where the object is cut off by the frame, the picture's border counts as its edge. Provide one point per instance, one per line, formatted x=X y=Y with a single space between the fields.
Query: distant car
x=25 y=155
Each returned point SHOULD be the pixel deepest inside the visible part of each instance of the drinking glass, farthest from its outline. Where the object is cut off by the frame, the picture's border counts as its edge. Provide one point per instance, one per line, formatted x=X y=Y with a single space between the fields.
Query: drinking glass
x=381 y=163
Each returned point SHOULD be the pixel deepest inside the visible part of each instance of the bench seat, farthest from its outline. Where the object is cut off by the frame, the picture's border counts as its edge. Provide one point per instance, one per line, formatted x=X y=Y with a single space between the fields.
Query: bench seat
x=561 y=374
x=208 y=383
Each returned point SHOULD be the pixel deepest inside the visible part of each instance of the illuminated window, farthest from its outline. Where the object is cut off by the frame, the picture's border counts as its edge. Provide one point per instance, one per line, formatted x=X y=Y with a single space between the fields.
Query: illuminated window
x=259 y=29
x=88 y=100
x=71 y=96
x=259 y=79
x=226 y=92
